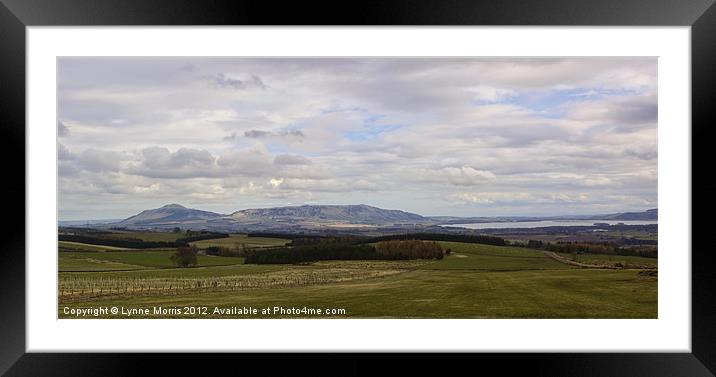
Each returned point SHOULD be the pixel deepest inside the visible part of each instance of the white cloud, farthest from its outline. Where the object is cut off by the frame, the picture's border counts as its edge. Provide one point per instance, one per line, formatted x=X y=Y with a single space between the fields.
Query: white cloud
x=467 y=176
x=99 y=161
x=288 y=159
x=493 y=197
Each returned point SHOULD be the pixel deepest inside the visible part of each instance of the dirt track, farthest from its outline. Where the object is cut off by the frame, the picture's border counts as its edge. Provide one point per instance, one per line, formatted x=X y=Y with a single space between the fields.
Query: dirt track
x=556 y=257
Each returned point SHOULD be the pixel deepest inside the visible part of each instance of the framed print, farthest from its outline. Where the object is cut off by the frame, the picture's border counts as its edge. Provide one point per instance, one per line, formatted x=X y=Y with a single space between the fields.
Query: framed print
x=396 y=179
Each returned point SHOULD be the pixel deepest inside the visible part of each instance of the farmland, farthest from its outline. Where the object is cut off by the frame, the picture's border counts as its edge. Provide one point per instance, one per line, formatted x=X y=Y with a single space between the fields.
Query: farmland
x=242 y=240
x=472 y=281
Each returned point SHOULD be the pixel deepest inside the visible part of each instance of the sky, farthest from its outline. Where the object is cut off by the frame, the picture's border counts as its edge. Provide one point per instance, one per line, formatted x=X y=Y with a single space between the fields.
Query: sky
x=434 y=136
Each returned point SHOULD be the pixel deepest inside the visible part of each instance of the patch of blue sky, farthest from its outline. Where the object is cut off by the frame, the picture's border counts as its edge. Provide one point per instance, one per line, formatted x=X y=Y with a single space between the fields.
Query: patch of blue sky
x=343 y=110
x=550 y=104
x=276 y=149
x=371 y=119
x=370 y=132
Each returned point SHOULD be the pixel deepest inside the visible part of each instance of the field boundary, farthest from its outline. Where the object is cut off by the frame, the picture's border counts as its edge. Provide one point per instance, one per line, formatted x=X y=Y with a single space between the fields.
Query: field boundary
x=558 y=258
x=155 y=268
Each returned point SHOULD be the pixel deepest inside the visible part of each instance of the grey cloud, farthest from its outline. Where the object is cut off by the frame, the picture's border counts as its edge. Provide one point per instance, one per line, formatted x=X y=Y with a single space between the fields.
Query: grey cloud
x=467 y=176
x=158 y=157
x=642 y=154
x=626 y=113
x=453 y=176
x=222 y=81
x=637 y=111
x=192 y=157
x=65 y=169
x=287 y=159
x=297 y=133
x=99 y=161
x=258 y=134
x=250 y=162
x=159 y=162
x=517 y=135
x=62 y=130
x=63 y=153
x=188 y=67
x=320 y=185
x=255 y=134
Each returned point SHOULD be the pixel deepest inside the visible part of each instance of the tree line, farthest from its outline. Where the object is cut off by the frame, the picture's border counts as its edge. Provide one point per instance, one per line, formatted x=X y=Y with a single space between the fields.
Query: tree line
x=299 y=239
x=136 y=243
x=286 y=236
x=605 y=248
x=467 y=238
x=333 y=250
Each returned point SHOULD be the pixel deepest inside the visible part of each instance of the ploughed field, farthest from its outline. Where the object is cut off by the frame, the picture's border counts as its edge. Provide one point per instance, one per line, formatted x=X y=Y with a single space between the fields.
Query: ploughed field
x=473 y=281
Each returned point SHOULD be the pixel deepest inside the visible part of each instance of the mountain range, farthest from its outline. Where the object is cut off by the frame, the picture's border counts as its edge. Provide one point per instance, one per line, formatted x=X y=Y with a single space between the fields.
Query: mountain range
x=318 y=217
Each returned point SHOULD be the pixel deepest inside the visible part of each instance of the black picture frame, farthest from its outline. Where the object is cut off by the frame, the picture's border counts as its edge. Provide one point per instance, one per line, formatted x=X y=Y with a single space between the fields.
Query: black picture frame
x=16 y=15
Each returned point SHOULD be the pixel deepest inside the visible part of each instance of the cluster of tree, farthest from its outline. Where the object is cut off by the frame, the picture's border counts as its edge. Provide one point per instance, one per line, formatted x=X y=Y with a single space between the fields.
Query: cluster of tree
x=648 y=251
x=285 y=236
x=325 y=240
x=236 y=251
x=132 y=243
x=185 y=256
x=334 y=250
x=468 y=238
x=582 y=247
x=606 y=248
x=409 y=249
x=299 y=239
x=636 y=241
x=136 y=243
x=75 y=230
x=535 y=244
x=200 y=236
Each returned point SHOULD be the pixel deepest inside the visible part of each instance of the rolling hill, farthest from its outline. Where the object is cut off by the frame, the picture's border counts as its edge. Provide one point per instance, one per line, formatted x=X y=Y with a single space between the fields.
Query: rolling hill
x=355 y=214
x=317 y=217
x=168 y=214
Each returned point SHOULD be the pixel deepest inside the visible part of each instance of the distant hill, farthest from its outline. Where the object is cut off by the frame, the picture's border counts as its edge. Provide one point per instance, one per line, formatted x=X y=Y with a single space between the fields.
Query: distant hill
x=652 y=214
x=86 y=223
x=166 y=215
x=312 y=217
x=355 y=214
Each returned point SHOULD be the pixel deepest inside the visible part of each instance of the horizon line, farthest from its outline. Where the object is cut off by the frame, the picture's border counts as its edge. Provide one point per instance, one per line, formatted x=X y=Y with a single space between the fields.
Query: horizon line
x=368 y=205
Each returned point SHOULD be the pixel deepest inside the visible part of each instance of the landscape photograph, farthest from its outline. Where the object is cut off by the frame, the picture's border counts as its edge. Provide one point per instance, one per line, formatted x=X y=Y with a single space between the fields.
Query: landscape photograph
x=357 y=187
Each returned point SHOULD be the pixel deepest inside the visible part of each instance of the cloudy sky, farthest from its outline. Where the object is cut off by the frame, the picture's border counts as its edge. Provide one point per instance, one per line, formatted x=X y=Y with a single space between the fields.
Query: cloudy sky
x=457 y=136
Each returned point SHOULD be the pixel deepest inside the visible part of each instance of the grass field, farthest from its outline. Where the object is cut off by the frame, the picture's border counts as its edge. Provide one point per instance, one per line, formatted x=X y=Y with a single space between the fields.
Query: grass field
x=85 y=262
x=475 y=281
x=447 y=294
x=610 y=260
x=140 y=259
x=146 y=236
x=79 y=247
x=642 y=235
x=235 y=240
x=466 y=256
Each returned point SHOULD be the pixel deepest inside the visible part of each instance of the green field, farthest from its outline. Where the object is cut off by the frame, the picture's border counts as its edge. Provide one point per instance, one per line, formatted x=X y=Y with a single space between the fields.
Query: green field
x=138 y=259
x=466 y=256
x=86 y=262
x=475 y=281
x=80 y=247
x=641 y=235
x=146 y=236
x=611 y=260
x=240 y=240
x=445 y=294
